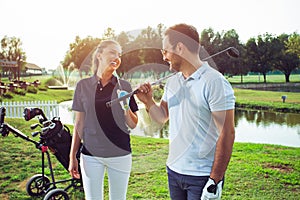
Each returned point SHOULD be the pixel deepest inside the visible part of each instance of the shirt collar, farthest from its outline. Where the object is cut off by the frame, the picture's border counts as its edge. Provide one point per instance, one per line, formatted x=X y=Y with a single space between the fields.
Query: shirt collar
x=113 y=80
x=197 y=74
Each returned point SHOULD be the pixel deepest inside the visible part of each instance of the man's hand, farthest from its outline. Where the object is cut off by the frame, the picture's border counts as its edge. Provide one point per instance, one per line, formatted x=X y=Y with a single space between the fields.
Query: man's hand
x=125 y=102
x=145 y=93
x=212 y=190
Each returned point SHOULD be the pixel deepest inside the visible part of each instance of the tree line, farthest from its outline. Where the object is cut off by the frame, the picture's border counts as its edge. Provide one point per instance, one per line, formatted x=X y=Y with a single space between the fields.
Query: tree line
x=141 y=52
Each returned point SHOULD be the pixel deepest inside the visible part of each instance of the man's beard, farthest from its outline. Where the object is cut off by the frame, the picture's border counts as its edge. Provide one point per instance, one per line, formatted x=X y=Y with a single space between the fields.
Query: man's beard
x=176 y=63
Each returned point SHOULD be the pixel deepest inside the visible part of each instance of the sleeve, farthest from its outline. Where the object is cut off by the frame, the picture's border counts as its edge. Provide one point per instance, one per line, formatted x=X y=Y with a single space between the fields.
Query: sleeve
x=77 y=103
x=221 y=95
x=132 y=104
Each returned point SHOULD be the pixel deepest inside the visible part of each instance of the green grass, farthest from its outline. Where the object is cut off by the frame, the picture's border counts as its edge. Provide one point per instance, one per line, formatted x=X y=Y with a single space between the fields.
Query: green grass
x=256 y=171
x=50 y=94
x=41 y=78
x=270 y=100
x=260 y=79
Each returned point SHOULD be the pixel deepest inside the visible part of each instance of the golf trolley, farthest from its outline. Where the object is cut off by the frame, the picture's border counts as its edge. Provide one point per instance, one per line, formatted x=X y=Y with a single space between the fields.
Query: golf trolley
x=54 y=136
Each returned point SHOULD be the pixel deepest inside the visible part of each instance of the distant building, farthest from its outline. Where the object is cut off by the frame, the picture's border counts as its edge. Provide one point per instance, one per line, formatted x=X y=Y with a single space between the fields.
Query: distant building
x=10 y=69
x=33 y=69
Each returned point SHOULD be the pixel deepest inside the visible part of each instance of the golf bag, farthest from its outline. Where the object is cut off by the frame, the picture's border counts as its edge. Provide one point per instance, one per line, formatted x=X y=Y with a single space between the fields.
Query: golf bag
x=58 y=138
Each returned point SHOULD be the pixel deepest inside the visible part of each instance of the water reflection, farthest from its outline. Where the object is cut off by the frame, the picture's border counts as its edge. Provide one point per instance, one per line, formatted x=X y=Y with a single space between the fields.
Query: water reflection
x=267 y=127
x=254 y=126
x=251 y=126
x=264 y=118
x=280 y=89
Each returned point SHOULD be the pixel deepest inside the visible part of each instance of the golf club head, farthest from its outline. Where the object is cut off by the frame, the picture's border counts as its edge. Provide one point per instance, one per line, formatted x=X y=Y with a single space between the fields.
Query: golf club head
x=233 y=52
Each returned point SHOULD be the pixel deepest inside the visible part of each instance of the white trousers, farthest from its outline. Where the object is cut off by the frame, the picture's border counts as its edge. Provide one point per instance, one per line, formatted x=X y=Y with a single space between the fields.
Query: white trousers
x=93 y=171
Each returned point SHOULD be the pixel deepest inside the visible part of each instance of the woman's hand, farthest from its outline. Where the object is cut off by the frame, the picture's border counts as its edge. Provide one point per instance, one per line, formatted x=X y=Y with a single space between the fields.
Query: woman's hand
x=73 y=168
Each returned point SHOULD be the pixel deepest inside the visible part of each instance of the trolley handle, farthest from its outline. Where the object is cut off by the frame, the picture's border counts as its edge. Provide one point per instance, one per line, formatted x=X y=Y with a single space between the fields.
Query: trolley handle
x=2 y=115
x=3 y=127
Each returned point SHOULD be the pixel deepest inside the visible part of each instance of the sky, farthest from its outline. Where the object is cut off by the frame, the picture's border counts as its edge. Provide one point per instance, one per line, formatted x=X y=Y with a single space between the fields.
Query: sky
x=47 y=27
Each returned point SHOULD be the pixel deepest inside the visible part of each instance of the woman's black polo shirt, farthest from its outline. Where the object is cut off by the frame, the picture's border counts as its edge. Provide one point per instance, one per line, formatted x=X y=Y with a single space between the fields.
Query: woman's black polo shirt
x=105 y=133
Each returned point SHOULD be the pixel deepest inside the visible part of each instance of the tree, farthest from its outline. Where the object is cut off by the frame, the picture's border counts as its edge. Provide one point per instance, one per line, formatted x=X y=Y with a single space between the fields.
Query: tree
x=123 y=39
x=143 y=54
x=109 y=33
x=239 y=65
x=210 y=43
x=229 y=39
x=130 y=59
x=79 y=54
x=293 y=44
x=216 y=42
x=286 y=60
x=12 y=51
x=151 y=55
x=207 y=37
x=287 y=63
x=260 y=54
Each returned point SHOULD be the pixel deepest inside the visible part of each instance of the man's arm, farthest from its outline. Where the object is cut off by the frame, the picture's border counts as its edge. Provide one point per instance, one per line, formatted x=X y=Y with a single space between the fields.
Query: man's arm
x=158 y=113
x=224 y=121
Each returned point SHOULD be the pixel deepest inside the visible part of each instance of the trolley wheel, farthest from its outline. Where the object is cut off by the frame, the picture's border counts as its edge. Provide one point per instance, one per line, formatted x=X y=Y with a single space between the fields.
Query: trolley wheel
x=56 y=194
x=37 y=185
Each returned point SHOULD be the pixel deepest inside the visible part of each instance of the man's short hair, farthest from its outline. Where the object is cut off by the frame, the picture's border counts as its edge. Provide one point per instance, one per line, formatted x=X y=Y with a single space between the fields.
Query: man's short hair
x=186 y=34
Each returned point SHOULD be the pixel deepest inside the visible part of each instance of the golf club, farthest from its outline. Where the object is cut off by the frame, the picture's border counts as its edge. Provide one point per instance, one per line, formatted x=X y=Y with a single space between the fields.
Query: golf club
x=231 y=51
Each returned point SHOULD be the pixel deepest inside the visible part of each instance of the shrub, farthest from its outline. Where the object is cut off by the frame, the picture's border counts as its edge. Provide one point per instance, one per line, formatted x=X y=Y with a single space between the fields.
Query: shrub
x=43 y=88
x=20 y=91
x=32 y=89
x=8 y=95
x=52 y=81
x=157 y=92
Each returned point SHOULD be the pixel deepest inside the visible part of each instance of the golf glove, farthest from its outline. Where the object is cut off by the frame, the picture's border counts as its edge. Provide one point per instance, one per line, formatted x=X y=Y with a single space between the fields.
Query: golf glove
x=212 y=190
x=124 y=103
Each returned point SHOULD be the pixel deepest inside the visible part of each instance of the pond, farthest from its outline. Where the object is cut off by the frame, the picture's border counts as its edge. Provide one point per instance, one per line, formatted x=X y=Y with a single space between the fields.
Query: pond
x=250 y=125
x=267 y=127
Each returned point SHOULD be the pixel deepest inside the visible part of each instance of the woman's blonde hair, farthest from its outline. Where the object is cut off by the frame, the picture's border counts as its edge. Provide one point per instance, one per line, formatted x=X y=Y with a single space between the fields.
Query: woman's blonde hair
x=103 y=44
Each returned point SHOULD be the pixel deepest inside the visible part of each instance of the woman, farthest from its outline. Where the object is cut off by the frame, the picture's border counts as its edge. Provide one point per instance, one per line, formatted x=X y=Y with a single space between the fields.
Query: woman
x=104 y=131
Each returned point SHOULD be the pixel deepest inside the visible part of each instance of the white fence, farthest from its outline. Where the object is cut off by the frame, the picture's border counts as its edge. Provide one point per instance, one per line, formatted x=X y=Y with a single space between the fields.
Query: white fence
x=16 y=109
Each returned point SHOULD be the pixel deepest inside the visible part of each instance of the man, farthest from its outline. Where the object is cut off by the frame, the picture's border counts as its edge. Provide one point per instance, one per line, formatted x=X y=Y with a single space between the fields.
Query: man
x=199 y=104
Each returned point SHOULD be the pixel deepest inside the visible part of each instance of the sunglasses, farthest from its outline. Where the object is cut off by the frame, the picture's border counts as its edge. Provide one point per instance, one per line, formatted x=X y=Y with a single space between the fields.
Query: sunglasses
x=164 y=51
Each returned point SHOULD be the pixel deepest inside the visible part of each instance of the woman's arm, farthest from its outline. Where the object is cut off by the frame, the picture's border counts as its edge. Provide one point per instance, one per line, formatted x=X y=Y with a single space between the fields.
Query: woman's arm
x=131 y=118
x=76 y=140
